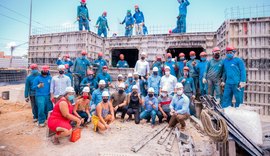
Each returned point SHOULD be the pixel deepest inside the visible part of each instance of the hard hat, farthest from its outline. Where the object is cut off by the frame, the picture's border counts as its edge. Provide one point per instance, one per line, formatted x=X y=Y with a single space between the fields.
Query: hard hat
x=120 y=75
x=178 y=85
x=135 y=73
x=66 y=66
x=100 y=54
x=158 y=57
x=121 y=85
x=192 y=53
x=90 y=72
x=167 y=67
x=67 y=56
x=143 y=53
x=45 y=68
x=84 y=52
x=33 y=66
x=102 y=82
x=83 y=1
x=203 y=54
x=151 y=90
x=164 y=89
x=155 y=69
x=230 y=48
x=129 y=75
x=105 y=94
x=170 y=31
x=169 y=55
x=216 y=49
x=69 y=90
x=104 y=13
x=61 y=67
x=105 y=67
x=181 y=55
x=134 y=87
x=86 y=89
x=186 y=68
x=136 y=6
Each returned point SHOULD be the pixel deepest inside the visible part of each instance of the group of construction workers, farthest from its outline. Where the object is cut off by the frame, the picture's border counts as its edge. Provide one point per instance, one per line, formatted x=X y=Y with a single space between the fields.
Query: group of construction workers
x=167 y=93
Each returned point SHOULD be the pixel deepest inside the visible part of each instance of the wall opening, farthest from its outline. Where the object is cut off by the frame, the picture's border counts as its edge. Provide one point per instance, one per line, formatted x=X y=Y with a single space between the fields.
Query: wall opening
x=176 y=51
x=131 y=56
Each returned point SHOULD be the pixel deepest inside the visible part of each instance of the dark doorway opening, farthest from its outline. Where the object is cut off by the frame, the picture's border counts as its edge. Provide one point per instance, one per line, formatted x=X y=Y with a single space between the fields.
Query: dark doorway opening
x=176 y=51
x=131 y=56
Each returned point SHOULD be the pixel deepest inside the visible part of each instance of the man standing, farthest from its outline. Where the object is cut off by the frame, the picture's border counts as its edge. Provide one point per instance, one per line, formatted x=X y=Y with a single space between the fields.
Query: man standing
x=179 y=107
x=129 y=83
x=139 y=20
x=64 y=61
x=181 y=64
x=235 y=76
x=142 y=67
x=201 y=68
x=154 y=81
x=102 y=24
x=105 y=76
x=122 y=63
x=83 y=16
x=181 y=18
x=213 y=74
x=170 y=63
x=159 y=65
x=80 y=67
x=118 y=100
x=59 y=84
x=191 y=64
x=89 y=81
x=129 y=21
x=42 y=87
x=29 y=93
x=99 y=63
x=168 y=81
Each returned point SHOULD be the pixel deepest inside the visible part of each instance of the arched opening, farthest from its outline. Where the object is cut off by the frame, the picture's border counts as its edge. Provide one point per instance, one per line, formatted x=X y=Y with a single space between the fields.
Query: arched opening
x=131 y=56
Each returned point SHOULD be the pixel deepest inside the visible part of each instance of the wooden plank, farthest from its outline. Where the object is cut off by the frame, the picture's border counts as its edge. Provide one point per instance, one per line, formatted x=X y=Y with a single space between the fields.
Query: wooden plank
x=231 y=147
x=197 y=121
x=164 y=135
x=146 y=139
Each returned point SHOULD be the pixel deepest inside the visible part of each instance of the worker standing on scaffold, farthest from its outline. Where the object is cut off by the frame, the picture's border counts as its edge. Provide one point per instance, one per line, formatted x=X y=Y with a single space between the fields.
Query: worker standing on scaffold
x=83 y=16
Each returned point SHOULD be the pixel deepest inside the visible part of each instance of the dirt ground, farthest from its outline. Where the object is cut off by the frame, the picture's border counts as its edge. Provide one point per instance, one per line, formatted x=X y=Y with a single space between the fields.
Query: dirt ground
x=20 y=136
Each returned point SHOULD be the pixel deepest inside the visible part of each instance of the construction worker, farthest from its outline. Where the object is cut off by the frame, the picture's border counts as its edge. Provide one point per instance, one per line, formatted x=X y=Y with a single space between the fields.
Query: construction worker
x=168 y=81
x=171 y=63
x=213 y=74
x=129 y=21
x=189 y=88
x=201 y=69
x=159 y=65
x=235 y=78
x=102 y=24
x=99 y=63
x=134 y=101
x=182 y=15
x=145 y=30
x=118 y=100
x=59 y=84
x=191 y=64
x=164 y=101
x=65 y=60
x=89 y=81
x=103 y=115
x=129 y=83
x=154 y=81
x=96 y=96
x=42 y=85
x=105 y=76
x=150 y=107
x=122 y=63
x=30 y=93
x=81 y=65
x=142 y=67
x=68 y=73
x=120 y=80
x=140 y=83
x=139 y=20
x=179 y=107
x=181 y=63
x=83 y=16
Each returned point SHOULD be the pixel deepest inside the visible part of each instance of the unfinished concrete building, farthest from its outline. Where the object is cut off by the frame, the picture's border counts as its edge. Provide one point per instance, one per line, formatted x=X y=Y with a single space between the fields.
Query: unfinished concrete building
x=250 y=36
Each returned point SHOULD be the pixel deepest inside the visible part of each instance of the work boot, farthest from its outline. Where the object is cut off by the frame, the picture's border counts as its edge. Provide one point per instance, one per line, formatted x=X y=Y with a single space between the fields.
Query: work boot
x=35 y=120
x=41 y=125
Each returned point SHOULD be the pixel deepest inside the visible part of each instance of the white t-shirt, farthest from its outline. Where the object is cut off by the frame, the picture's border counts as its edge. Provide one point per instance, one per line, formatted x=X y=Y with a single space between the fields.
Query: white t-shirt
x=168 y=81
x=142 y=67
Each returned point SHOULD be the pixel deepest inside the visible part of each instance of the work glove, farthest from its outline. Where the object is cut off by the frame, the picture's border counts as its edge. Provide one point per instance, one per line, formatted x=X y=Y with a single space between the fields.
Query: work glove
x=204 y=81
x=242 y=84
x=222 y=84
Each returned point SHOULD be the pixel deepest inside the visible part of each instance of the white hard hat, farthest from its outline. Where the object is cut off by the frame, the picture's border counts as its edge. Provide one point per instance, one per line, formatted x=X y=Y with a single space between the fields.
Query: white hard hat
x=86 y=89
x=120 y=75
x=167 y=67
x=155 y=69
x=178 y=85
x=135 y=73
x=144 y=53
x=61 y=67
x=121 y=85
x=164 y=89
x=69 y=90
x=102 y=82
x=134 y=87
x=129 y=74
x=105 y=93
x=151 y=90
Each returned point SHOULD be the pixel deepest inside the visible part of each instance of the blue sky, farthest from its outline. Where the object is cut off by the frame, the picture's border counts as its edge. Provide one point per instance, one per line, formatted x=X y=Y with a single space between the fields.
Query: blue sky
x=58 y=13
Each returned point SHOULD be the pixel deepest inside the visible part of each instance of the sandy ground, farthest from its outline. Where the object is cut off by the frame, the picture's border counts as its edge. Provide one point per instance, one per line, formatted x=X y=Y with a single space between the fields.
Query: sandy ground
x=20 y=136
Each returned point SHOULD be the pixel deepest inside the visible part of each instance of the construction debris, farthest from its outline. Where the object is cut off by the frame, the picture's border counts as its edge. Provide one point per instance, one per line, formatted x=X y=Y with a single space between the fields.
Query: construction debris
x=164 y=136
x=170 y=141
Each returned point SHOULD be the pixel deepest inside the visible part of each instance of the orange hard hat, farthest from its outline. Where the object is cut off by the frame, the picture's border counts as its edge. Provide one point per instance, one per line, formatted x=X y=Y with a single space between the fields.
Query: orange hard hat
x=186 y=68
x=45 y=68
x=105 y=67
x=67 y=56
x=104 y=13
x=215 y=49
x=169 y=55
x=100 y=54
x=84 y=52
x=203 y=54
x=33 y=66
x=230 y=48
x=181 y=55
x=192 y=53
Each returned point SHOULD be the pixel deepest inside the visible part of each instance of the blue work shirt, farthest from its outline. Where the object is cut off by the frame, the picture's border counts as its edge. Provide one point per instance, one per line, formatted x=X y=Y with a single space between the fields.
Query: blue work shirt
x=129 y=20
x=214 y=69
x=147 y=105
x=180 y=104
x=99 y=63
x=129 y=85
x=81 y=65
x=122 y=64
x=63 y=62
x=201 y=67
x=97 y=96
x=189 y=86
x=192 y=69
x=145 y=30
x=159 y=65
x=139 y=17
x=102 y=22
x=183 y=8
x=172 y=66
x=104 y=76
x=28 y=91
x=235 y=71
x=92 y=82
x=181 y=65
x=154 y=82
x=45 y=90
x=82 y=12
